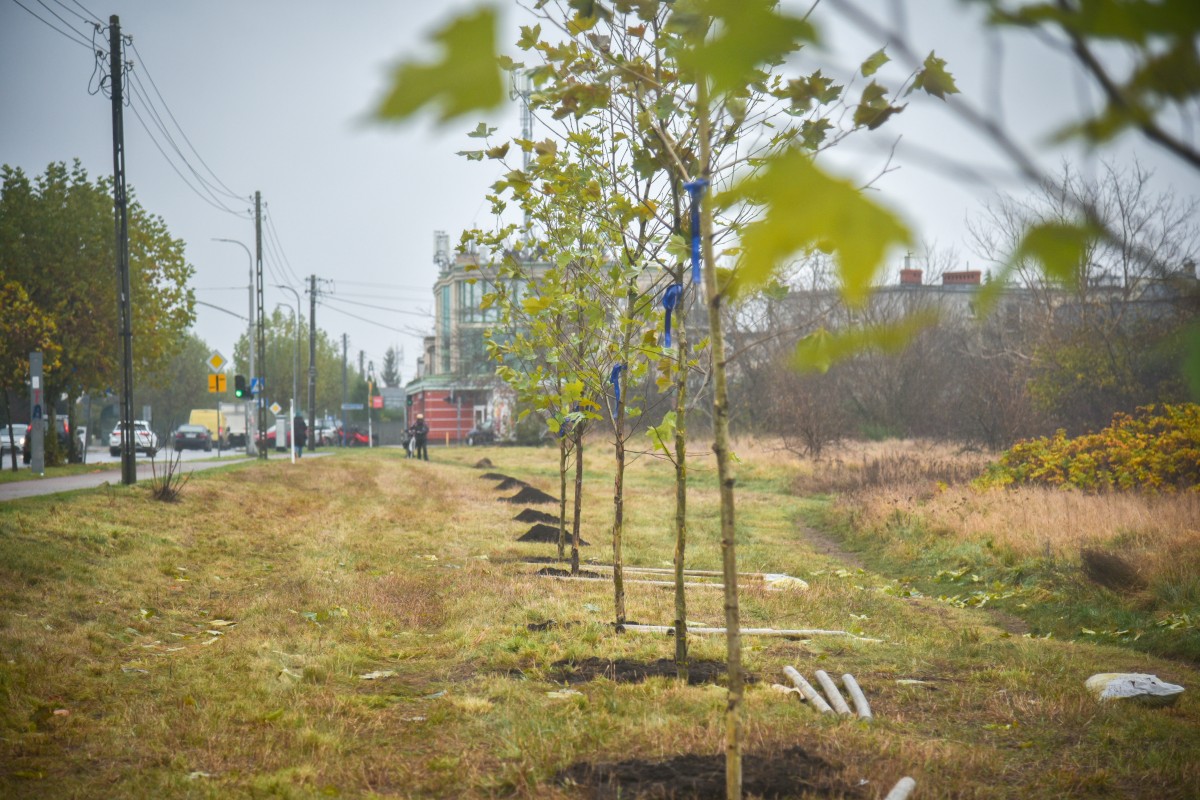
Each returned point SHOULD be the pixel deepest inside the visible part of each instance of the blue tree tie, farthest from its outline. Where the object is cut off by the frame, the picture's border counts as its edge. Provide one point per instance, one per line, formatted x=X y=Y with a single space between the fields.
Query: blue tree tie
x=615 y=379
x=669 y=301
x=695 y=188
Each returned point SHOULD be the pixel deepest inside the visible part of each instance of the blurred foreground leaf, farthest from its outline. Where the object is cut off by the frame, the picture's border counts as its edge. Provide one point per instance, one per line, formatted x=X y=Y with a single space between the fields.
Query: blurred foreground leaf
x=466 y=78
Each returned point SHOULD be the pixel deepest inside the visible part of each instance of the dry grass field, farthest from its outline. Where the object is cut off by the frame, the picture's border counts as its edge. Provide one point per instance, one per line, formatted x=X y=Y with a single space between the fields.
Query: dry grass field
x=360 y=625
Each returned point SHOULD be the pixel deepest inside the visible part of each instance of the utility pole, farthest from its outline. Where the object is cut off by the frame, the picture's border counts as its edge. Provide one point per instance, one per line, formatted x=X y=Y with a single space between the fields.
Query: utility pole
x=345 y=344
x=312 y=360
x=260 y=397
x=116 y=66
x=370 y=388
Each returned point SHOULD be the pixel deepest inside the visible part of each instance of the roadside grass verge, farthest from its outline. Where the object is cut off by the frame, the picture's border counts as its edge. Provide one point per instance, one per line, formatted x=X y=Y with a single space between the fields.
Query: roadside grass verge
x=1121 y=567
x=216 y=647
x=23 y=473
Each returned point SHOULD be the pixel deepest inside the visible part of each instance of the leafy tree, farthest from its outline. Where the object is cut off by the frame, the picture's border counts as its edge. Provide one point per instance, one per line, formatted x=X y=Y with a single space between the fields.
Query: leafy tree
x=56 y=239
x=1149 y=92
x=1099 y=326
x=717 y=51
x=23 y=329
x=390 y=375
x=178 y=386
x=280 y=332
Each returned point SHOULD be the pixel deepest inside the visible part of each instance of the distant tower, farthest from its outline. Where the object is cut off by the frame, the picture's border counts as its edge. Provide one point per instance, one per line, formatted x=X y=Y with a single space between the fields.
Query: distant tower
x=441 y=251
x=522 y=87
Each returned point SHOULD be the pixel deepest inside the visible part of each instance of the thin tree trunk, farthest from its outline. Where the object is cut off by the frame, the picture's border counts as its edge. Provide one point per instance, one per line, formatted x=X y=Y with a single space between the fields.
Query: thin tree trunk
x=562 y=495
x=578 y=434
x=619 y=518
x=721 y=447
x=681 y=644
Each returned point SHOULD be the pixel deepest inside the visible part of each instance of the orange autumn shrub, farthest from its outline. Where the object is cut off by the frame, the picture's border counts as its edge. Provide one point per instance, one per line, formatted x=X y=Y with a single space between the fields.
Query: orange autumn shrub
x=1155 y=449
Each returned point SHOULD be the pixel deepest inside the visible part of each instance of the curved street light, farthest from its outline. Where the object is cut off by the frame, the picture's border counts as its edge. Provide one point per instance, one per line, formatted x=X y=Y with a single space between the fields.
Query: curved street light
x=251 y=422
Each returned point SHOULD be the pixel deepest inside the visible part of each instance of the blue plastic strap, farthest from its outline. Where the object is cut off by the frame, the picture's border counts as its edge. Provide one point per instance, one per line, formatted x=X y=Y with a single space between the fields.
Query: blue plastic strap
x=670 y=299
x=695 y=188
x=615 y=379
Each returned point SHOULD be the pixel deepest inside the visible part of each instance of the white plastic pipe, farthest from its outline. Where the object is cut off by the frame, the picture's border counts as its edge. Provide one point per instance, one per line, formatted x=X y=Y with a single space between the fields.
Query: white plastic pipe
x=902 y=789
x=806 y=689
x=831 y=691
x=856 y=694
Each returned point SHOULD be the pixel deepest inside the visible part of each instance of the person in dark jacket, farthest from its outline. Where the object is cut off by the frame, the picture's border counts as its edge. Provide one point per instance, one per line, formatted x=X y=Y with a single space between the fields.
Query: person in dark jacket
x=299 y=434
x=420 y=436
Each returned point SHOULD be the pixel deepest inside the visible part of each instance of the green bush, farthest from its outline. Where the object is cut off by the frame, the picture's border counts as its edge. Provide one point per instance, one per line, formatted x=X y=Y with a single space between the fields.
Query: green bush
x=1156 y=449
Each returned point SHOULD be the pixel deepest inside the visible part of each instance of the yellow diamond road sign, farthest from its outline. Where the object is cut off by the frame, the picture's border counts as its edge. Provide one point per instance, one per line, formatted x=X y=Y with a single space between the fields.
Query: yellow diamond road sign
x=276 y=408
x=216 y=361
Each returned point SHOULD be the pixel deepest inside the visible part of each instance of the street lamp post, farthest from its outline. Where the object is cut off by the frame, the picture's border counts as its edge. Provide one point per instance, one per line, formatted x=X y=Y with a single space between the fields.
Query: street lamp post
x=296 y=352
x=251 y=422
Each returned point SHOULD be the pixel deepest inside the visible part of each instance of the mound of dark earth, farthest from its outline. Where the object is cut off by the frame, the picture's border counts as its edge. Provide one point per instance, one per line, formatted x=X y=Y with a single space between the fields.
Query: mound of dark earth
x=789 y=773
x=533 y=515
x=494 y=476
x=529 y=495
x=510 y=483
x=626 y=671
x=484 y=463
x=555 y=572
x=545 y=533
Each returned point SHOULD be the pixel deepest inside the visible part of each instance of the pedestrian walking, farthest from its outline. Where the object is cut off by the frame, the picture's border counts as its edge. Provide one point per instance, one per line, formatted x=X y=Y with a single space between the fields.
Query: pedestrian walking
x=420 y=437
x=299 y=434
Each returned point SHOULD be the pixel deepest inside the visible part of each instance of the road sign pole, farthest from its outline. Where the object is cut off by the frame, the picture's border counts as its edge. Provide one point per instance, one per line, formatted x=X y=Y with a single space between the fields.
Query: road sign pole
x=37 y=416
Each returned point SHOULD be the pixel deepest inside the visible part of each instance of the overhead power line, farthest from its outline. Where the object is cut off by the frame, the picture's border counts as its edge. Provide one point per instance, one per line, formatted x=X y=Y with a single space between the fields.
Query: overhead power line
x=413 y=331
x=68 y=9
x=89 y=13
x=422 y=314
x=71 y=32
x=229 y=193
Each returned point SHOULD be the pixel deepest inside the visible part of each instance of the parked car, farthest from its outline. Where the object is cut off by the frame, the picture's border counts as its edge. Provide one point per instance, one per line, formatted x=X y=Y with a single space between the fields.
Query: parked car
x=144 y=439
x=192 y=437
x=64 y=437
x=483 y=433
x=12 y=438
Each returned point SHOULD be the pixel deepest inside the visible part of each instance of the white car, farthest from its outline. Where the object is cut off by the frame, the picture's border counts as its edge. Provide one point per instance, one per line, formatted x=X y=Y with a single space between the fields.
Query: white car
x=144 y=439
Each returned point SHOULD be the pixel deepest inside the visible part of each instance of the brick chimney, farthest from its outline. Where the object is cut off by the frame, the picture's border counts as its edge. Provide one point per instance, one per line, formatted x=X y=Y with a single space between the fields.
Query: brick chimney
x=963 y=278
x=910 y=277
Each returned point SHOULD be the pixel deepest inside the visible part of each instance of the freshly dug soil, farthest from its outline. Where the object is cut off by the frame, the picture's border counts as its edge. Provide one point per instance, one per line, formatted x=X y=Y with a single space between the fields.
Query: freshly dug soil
x=546 y=533
x=549 y=625
x=566 y=573
x=777 y=775
x=510 y=483
x=533 y=515
x=529 y=495
x=626 y=671
x=484 y=463
x=495 y=476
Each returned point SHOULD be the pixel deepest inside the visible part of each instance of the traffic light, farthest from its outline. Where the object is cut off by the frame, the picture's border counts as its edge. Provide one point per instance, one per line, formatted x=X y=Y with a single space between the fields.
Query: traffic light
x=408 y=400
x=239 y=386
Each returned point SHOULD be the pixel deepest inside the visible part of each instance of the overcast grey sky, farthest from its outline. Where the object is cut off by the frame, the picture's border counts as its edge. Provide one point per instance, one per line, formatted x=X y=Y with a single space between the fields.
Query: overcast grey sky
x=273 y=95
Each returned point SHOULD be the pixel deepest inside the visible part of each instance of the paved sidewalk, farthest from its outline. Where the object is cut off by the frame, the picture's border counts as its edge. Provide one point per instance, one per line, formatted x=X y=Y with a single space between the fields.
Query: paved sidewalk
x=69 y=483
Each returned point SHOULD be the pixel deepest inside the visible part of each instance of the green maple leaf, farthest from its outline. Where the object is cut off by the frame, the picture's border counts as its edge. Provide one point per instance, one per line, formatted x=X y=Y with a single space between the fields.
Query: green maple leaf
x=808 y=208
x=751 y=33
x=467 y=77
x=1060 y=247
x=872 y=64
x=934 y=79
